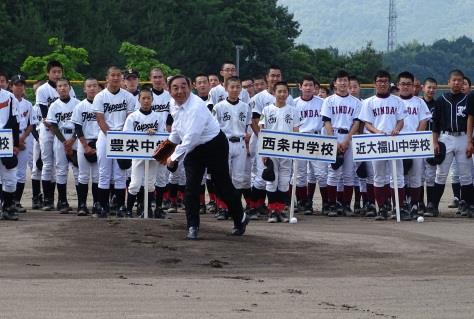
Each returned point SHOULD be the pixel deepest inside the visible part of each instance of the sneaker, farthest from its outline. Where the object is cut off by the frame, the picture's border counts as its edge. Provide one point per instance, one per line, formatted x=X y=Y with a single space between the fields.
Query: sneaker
x=332 y=212
x=211 y=207
x=19 y=208
x=283 y=218
x=382 y=214
x=173 y=208
x=347 y=211
x=308 y=208
x=273 y=217
x=357 y=209
x=192 y=233
x=82 y=211
x=222 y=214
x=202 y=209
x=454 y=203
x=9 y=213
x=166 y=204
x=63 y=208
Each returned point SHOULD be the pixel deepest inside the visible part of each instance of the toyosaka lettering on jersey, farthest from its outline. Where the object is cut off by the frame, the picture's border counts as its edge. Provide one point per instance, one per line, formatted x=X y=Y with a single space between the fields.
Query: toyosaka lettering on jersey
x=384 y=110
x=145 y=127
x=115 y=107
x=88 y=117
x=63 y=117
x=161 y=107
x=342 y=109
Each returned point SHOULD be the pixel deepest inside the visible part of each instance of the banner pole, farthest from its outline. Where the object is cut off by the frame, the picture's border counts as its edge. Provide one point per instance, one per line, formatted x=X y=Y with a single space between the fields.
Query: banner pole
x=293 y=192
x=395 y=187
x=145 y=197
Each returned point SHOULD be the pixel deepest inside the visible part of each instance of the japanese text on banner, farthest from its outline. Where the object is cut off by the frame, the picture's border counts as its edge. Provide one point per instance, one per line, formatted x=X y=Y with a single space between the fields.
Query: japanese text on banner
x=131 y=145
x=6 y=143
x=297 y=146
x=381 y=147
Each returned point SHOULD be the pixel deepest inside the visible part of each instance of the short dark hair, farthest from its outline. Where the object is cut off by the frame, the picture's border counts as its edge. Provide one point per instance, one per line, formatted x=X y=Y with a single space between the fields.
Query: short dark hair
x=200 y=75
x=145 y=89
x=284 y=83
x=432 y=80
x=456 y=72
x=354 y=78
x=273 y=67
x=405 y=75
x=113 y=68
x=227 y=62
x=63 y=80
x=341 y=74
x=232 y=79
x=260 y=77
x=468 y=80
x=54 y=64
x=310 y=78
x=381 y=74
x=179 y=76
x=90 y=79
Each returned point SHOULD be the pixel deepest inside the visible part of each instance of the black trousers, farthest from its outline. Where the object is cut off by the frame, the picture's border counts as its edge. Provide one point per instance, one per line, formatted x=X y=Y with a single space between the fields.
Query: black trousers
x=213 y=155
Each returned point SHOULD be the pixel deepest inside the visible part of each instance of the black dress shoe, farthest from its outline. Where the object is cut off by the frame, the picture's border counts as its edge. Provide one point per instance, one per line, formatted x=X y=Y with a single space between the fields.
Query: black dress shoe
x=239 y=231
x=192 y=233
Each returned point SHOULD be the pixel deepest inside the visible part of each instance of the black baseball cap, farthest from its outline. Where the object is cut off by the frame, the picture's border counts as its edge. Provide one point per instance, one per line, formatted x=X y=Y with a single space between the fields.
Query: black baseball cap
x=18 y=78
x=130 y=73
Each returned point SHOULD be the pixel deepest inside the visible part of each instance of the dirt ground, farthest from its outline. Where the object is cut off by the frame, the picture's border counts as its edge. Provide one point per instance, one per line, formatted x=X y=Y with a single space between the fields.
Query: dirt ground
x=64 y=266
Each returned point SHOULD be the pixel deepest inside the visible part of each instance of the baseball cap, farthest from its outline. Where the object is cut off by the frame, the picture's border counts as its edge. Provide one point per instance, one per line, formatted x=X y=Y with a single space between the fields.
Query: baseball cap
x=18 y=78
x=130 y=73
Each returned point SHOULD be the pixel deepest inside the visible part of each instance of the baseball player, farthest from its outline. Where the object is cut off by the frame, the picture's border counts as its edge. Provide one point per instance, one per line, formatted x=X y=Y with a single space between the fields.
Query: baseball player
x=37 y=199
x=3 y=80
x=213 y=80
x=144 y=120
x=87 y=130
x=309 y=108
x=247 y=85
x=45 y=95
x=429 y=88
x=383 y=113
x=340 y=113
x=466 y=87
x=259 y=83
x=112 y=106
x=284 y=118
x=258 y=103
x=60 y=124
x=450 y=127
x=9 y=119
x=27 y=120
x=234 y=116
x=417 y=119
x=218 y=93
x=131 y=78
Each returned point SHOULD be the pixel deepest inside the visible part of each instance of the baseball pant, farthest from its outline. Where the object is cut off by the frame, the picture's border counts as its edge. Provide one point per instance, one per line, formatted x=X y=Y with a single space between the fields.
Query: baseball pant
x=178 y=177
x=455 y=150
x=62 y=164
x=383 y=168
x=162 y=175
x=108 y=168
x=87 y=170
x=346 y=171
x=36 y=172
x=282 y=169
x=8 y=177
x=138 y=175
x=23 y=160
x=454 y=172
x=238 y=160
x=414 y=177
x=430 y=174
x=47 y=154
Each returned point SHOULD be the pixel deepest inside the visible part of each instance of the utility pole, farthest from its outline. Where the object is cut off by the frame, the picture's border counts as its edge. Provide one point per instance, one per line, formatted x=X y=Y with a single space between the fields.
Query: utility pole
x=238 y=48
x=392 y=27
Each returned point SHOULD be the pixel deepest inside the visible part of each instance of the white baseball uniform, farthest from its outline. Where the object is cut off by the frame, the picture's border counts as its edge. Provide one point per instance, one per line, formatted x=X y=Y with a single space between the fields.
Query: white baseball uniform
x=115 y=107
x=25 y=110
x=219 y=93
x=60 y=113
x=8 y=103
x=234 y=119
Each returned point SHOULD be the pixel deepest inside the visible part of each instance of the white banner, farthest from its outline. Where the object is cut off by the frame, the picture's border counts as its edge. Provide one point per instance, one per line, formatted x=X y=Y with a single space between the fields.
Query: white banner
x=297 y=146
x=376 y=147
x=131 y=145
x=6 y=143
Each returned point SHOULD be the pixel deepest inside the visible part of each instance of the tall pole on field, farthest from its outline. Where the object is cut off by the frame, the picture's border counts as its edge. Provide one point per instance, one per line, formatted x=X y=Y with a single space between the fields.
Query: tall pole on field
x=238 y=48
x=392 y=27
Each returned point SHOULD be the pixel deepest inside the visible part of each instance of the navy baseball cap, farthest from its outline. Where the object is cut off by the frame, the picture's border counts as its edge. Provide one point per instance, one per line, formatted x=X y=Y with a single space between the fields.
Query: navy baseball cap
x=18 y=78
x=130 y=73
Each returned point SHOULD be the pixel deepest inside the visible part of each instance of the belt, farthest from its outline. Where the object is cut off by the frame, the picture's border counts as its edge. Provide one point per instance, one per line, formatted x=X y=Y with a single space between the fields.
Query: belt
x=235 y=139
x=454 y=133
x=67 y=131
x=342 y=131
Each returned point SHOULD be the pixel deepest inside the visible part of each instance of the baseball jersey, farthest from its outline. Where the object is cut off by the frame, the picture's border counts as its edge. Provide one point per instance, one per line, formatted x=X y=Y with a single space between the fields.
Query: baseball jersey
x=47 y=94
x=417 y=111
x=342 y=110
x=7 y=100
x=383 y=112
x=141 y=121
x=60 y=113
x=218 y=93
x=283 y=119
x=265 y=98
x=310 y=114
x=25 y=110
x=114 y=106
x=160 y=105
x=233 y=117
x=431 y=106
x=85 y=116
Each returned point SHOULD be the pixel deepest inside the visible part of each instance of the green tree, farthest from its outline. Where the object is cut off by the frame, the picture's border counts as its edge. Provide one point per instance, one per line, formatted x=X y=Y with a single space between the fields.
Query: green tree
x=143 y=59
x=69 y=56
